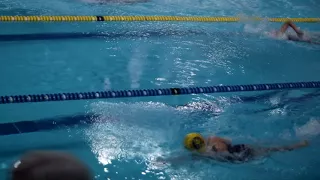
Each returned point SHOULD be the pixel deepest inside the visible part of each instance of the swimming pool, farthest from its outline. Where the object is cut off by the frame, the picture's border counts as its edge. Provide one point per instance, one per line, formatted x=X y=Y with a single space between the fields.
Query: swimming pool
x=131 y=132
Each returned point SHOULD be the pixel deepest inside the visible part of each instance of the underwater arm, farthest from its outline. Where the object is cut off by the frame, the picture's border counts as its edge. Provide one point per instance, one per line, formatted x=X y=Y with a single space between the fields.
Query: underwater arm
x=174 y=160
x=185 y=158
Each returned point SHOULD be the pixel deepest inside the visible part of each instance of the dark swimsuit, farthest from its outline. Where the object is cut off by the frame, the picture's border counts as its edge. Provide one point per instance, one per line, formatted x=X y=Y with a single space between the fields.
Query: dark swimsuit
x=240 y=152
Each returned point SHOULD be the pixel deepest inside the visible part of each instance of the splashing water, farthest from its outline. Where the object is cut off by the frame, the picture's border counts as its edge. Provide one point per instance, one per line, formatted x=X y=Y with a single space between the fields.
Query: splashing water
x=310 y=129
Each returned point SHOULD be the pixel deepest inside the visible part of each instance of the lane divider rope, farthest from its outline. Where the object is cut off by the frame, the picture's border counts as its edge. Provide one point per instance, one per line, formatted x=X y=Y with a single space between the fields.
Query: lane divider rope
x=146 y=18
x=154 y=92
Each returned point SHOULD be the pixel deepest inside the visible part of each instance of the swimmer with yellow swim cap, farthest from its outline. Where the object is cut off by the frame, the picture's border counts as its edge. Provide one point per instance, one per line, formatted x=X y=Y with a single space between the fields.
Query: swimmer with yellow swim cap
x=195 y=142
x=221 y=149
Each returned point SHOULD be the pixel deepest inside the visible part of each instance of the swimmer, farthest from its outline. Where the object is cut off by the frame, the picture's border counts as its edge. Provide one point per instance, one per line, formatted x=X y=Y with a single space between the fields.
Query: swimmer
x=222 y=149
x=299 y=36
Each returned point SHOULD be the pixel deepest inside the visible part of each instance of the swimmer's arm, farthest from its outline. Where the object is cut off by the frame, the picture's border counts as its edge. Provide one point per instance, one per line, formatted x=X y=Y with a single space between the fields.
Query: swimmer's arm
x=287 y=148
x=184 y=158
x=288 y=24
x=213 y=156
x=174 y=160
x=292 y=147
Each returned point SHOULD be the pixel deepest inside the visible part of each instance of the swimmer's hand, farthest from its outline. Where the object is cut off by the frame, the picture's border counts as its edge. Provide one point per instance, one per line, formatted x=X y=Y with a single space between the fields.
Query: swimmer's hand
x=303 y=143
x=173 y=160
x=161 y=160
x=300 y=34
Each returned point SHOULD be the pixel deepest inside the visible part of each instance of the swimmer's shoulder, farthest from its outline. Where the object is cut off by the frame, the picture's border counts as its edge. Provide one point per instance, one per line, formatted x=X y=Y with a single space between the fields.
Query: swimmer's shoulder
x=218 y=139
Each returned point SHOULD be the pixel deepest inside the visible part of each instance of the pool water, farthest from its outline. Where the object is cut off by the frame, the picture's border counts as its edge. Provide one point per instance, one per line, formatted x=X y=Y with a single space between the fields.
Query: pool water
x=130 y=133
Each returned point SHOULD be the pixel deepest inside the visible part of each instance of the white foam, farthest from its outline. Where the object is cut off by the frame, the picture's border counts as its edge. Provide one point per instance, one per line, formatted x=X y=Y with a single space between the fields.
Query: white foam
x=135 y=66
x=128 y=131
x=256 y=28
x=106 y=84
x=311 y=128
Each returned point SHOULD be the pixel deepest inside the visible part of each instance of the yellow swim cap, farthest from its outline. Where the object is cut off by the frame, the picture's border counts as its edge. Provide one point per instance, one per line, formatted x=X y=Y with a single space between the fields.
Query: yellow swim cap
x=194 y=141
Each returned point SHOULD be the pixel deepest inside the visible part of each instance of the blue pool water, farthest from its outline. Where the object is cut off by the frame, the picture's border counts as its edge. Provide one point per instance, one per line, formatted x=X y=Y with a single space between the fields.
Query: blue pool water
x=131 y=132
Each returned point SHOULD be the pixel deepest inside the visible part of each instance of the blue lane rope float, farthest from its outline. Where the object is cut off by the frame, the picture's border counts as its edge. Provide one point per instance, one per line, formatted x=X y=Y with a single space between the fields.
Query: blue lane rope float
x=154 y=92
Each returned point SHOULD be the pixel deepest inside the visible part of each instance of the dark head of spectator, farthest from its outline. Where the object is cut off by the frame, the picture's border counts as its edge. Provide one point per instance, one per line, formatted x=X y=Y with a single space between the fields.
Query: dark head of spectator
x=49 y=165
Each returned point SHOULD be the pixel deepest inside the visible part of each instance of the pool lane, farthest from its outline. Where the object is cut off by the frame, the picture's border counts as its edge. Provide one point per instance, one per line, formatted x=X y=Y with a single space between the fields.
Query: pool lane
x=111 y=35
x=47 y=124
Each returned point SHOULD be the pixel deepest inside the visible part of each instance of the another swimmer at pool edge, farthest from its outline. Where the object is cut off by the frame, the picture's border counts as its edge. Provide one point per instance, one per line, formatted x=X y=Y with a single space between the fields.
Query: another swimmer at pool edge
x=299 y=36
x=221 y=149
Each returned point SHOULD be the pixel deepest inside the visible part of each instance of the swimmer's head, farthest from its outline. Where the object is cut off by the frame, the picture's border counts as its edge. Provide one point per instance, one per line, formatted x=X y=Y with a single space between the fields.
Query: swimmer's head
x=194 y=142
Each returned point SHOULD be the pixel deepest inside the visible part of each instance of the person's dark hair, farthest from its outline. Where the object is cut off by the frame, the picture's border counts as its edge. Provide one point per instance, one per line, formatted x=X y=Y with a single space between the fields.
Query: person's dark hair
x=49 y=165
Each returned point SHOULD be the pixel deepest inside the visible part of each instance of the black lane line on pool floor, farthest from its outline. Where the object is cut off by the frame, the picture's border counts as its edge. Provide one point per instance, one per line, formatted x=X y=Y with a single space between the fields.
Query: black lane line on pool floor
x=81 y=35
x=46 y=124
x=303 y=98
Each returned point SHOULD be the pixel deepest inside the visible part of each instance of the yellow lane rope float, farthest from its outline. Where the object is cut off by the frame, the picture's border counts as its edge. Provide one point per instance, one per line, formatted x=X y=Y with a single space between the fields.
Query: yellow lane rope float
x=146 y=18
